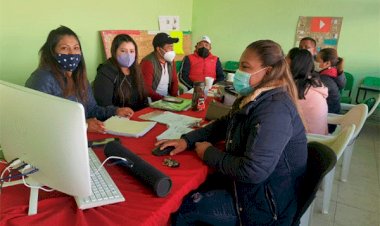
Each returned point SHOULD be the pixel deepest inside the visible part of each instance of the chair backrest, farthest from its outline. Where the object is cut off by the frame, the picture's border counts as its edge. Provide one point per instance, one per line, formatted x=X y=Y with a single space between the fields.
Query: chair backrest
x=338 y=142
x=178 y=65
x=372 y=104
x=349 y=82
x=371 y=81
x=231 y=65
x=321 y=159
x=357 y=116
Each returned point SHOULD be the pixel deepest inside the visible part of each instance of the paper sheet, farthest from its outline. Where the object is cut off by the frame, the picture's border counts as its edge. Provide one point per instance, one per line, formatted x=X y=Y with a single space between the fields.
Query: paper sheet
x=178 y=47
x=170 y=118
x=178 y=124
x=168 y=23
x=173 y=132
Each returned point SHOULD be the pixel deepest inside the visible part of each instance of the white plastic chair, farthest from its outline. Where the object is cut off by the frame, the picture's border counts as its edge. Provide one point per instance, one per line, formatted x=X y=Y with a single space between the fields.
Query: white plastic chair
x=338 y=143
x=356 y=115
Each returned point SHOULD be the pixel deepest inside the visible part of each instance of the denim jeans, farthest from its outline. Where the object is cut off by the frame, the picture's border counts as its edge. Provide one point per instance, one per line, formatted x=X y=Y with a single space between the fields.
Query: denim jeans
x=214 y=207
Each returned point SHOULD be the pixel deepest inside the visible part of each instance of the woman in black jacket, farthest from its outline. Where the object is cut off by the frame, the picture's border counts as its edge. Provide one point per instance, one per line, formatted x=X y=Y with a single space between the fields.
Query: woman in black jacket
x=330 y=68
x=265 y=154
x=119 y=81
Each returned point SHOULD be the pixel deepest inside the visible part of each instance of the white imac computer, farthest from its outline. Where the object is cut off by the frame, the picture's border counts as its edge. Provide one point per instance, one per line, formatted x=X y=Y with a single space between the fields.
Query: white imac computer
x=48 y=133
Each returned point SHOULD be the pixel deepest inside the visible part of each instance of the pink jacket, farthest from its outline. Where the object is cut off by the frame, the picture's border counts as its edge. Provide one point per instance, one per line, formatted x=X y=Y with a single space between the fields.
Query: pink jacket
x=314 y=110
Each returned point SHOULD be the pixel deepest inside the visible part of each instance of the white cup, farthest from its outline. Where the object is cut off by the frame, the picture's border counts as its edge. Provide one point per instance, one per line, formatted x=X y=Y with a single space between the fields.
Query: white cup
x=209 y=81
x=230 y=77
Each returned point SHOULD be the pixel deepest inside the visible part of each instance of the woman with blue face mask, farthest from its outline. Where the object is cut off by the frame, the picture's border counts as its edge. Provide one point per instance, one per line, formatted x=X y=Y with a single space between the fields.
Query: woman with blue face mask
x=258 y=172
x=119 y=81
x=62 y=72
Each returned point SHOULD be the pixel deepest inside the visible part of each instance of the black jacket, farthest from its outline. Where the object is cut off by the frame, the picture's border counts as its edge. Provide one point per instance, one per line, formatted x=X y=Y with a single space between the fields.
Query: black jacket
x=265 y=156
x=107 y=84
x=334 y=85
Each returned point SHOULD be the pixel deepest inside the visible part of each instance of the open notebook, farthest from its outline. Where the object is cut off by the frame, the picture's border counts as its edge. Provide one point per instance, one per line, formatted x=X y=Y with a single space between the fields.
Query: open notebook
x=125 y=127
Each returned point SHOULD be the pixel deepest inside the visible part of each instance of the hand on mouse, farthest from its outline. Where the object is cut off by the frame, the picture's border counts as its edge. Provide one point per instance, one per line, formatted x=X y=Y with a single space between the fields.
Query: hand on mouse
x=179 y=145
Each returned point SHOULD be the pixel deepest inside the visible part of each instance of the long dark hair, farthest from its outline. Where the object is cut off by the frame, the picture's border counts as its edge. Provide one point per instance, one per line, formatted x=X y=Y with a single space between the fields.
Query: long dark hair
x=124 y=92
x=48 y=61
x=330 y=54
x=302 y=67
x=271 y=55
x=278 y=73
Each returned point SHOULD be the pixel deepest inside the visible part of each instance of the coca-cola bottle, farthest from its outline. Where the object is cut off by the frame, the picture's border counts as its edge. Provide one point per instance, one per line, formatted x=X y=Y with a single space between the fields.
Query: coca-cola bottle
x=198 y=100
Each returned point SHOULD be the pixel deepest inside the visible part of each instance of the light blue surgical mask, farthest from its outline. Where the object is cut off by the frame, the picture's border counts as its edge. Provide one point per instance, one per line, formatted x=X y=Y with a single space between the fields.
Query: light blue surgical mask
x=241 y=82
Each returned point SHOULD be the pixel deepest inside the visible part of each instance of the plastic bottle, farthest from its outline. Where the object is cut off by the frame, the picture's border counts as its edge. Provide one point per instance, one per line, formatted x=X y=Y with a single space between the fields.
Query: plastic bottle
x=198 y=100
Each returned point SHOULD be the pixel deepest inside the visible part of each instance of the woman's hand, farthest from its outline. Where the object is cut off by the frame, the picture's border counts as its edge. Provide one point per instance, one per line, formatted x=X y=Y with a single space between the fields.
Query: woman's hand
x=125 y=112
x=200 y=148
x=179 y=145
x=94 y=125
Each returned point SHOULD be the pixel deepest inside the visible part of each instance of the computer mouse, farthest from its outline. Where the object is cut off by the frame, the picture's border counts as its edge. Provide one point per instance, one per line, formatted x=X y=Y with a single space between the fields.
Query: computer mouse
x=166 y=151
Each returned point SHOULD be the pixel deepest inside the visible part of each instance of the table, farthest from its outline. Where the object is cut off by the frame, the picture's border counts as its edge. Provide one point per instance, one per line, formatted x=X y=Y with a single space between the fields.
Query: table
x=141 y=207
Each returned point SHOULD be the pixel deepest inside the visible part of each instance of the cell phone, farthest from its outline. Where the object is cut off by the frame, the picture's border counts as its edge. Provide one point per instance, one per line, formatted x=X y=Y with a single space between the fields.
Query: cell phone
x=173 y=99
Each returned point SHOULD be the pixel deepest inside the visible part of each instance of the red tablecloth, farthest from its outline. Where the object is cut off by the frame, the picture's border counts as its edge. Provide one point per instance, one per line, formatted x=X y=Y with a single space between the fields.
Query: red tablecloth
x=141 y=207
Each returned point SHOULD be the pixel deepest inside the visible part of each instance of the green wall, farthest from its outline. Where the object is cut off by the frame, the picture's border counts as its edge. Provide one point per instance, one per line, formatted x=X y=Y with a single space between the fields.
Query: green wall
x=24 y=26
x=232 y=25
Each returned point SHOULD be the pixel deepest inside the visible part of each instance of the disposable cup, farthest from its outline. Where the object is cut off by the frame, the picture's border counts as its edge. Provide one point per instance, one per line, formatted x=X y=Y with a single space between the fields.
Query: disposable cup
x=209 y=81
x=230 y=77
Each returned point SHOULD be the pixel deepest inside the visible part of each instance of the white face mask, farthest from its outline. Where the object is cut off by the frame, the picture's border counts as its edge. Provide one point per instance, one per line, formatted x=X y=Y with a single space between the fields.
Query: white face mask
x=316 y=67
x=169 y=56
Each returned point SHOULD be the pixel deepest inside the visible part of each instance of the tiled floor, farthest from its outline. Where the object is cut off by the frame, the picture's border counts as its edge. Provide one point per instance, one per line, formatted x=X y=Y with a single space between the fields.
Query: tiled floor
x=357 y=201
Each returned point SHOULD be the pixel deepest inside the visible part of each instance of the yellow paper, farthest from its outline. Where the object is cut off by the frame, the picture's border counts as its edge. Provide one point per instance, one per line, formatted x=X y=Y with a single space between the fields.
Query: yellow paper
x=178 y=47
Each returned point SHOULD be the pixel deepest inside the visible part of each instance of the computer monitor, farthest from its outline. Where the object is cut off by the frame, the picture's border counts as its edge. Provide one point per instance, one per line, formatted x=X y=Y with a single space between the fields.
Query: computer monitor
x=48 y=133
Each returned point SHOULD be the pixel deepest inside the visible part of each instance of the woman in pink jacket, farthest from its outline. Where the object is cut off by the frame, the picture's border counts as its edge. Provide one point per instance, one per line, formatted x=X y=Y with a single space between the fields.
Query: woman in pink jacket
x=312 y=93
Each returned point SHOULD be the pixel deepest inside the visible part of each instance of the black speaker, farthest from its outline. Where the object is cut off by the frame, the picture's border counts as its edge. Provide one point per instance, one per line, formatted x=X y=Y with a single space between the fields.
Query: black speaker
x=140 y=169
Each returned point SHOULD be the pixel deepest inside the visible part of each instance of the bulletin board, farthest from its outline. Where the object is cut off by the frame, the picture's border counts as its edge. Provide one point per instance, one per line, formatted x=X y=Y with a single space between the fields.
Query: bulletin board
x=144 y=40
x=324 y=30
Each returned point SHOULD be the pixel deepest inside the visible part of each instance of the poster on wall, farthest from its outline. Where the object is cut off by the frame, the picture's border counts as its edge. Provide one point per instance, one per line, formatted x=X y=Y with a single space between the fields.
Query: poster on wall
x=325 y=30
x=168 y=23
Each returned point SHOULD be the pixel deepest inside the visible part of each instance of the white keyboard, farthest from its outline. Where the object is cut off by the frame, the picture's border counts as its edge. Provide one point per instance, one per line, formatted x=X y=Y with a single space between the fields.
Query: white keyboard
x=104 y=190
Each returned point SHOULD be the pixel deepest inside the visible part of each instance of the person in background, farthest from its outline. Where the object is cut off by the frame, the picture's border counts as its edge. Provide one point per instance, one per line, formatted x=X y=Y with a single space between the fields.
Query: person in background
x=258 y=174
x=330 y=68
x=119 y=80
x=312 y=93
x=309 y=44
x=336 y=82
x=158 y=68
x=62 y=72
x=202 y=63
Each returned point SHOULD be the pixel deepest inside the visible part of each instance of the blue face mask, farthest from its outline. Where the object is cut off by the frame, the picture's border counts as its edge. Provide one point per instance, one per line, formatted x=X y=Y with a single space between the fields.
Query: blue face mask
x=69 y=62
x=241 y=82
x=126 y=59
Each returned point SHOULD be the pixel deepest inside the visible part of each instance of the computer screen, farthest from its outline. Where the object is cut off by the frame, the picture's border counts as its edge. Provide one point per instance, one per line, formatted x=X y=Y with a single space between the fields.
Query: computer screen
x=48 y=133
